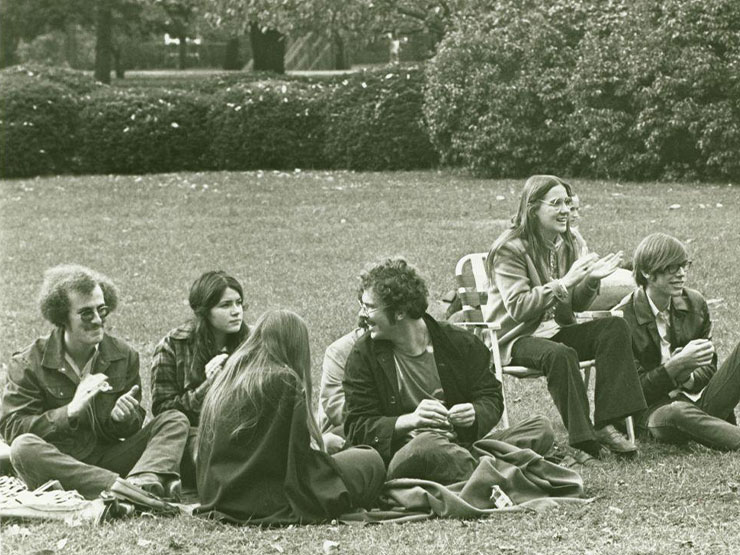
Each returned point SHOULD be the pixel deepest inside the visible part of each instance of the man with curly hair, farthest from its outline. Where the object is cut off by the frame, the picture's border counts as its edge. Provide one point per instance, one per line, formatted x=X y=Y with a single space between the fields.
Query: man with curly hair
x=71 y=407
x=421 y=391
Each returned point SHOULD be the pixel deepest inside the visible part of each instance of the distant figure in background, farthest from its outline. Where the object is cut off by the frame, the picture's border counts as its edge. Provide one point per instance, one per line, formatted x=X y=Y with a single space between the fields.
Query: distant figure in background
x=261 y=456
x=190 y=356
x=331 y=392
x=71 y=405
x=538 y=277
x=689 y=398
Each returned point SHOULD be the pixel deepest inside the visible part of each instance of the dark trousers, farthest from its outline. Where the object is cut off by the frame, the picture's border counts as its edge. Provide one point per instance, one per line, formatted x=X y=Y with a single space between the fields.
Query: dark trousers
x=157 y=448
x=704 y=421
x=433 y=456
x=618 y=393
x=363 y=472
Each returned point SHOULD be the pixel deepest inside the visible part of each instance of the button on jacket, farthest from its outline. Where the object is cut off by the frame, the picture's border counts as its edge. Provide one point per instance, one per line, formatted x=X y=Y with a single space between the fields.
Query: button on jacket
x=372 y=396
x=39 y=388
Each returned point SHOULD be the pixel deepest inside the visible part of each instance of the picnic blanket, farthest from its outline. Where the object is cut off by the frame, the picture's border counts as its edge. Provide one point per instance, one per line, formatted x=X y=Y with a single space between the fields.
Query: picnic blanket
x=530 y=481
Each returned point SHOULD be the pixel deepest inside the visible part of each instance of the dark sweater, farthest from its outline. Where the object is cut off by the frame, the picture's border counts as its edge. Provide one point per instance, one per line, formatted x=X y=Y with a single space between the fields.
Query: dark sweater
x=269 y=474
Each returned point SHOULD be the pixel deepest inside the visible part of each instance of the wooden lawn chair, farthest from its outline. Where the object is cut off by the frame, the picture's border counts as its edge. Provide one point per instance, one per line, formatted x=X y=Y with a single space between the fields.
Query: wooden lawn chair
x=472 y=282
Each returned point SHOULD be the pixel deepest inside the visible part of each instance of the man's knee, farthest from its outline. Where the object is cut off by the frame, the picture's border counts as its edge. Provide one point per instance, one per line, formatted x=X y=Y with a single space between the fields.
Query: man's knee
x=677 y=412
x=175 y=418
x=544 y=430
x=615 y=328
x=25 y=448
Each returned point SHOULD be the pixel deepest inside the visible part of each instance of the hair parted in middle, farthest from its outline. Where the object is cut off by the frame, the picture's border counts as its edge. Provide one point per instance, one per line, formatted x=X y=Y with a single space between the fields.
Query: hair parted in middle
x=398 y=287
x=205 y=293
x=275 y=353
x=60 y=280
x=525 y=225
x=655 y=253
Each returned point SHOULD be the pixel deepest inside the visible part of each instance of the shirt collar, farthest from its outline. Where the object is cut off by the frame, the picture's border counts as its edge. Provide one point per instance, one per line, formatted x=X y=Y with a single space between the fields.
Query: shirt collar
x=654 y=308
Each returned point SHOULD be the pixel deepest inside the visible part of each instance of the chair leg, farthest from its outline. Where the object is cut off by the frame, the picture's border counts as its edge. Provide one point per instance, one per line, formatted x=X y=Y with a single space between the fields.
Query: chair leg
x=630 y=429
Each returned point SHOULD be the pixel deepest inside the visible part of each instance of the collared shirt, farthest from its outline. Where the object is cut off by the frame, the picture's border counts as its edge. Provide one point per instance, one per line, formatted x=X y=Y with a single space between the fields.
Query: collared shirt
x=663 y=323
x=83 y=372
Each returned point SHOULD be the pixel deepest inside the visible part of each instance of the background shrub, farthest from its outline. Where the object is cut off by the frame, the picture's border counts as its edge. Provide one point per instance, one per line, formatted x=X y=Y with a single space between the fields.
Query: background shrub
x=38 y=122
x=496 y=93
x=127 y=131
x=268 y=125
x=374 y=121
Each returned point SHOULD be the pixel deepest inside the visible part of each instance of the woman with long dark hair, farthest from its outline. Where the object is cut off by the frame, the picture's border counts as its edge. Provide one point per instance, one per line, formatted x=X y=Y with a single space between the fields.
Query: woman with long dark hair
x=189 y=357
x=538 y=277
x=261 y=457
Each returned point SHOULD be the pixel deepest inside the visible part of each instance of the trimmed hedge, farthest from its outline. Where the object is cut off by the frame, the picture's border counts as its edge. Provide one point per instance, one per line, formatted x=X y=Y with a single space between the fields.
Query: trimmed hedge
x=626 y=88
x=38 y=127
x=125 y=131
x=268 y=125
x=271 y=124
x=375 y=122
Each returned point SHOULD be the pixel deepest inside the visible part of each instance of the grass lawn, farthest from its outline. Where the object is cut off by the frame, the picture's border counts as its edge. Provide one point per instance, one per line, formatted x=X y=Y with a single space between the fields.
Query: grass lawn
x=298 y=240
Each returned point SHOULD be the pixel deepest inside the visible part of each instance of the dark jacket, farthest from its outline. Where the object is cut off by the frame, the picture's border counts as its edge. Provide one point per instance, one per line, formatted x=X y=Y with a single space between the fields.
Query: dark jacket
x=689 y=319
x=371 y=386
x=268 y=474
x=39 y=388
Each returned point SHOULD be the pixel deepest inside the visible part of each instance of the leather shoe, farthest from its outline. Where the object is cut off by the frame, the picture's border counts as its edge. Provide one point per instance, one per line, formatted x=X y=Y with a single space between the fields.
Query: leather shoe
x=610 y=438
x=149 y=482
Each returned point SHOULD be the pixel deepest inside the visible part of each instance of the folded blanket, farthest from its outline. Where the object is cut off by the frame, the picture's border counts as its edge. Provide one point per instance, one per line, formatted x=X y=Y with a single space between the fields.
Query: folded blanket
x=530 y=481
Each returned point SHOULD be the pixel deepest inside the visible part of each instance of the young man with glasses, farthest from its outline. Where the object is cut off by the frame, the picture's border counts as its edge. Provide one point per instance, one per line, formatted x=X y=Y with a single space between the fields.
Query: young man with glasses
x=421 y=391
x=71 y=405
x=688 y=398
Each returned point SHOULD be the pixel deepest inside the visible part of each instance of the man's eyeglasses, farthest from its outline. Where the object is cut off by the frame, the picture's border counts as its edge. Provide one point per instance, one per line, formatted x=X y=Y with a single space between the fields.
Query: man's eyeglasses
x=365 y=309
x=87 y=315
x=559 y=203
x=674 y=268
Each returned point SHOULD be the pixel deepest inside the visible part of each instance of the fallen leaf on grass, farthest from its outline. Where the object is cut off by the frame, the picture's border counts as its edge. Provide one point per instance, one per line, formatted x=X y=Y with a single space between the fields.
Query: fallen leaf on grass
x=330 y=547
x=674 y=207
x=144 y=543
x=16 y=530
x=616 y=510
x=61 y=543
x=277 y=547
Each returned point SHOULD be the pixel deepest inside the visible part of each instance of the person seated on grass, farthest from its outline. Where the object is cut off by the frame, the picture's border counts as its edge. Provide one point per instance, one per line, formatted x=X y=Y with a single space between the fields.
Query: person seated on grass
x=188 y=358
x=614 y=286
x=71 y=407
x=331 y=391
x=261 y=456
x=672 y=343
x=421 y=391
x=537 y=278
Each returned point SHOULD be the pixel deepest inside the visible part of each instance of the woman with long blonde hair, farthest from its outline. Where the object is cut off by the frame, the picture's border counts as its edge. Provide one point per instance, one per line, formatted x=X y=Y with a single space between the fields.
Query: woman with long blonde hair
x=538 y=277
x=261 y=457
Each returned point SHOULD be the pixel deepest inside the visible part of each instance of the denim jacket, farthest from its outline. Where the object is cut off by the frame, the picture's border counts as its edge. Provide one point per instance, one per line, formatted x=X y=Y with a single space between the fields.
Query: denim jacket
x=39 y=388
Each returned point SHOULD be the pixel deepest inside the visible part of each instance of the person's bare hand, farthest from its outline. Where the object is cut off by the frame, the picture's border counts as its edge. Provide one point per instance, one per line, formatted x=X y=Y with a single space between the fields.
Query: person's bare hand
x=88 y=388
x=696 y=353
x=462 y=415
x=579 y=270
x=606 y=265
x=430 y=413
x=126 y=405
x=215 y=364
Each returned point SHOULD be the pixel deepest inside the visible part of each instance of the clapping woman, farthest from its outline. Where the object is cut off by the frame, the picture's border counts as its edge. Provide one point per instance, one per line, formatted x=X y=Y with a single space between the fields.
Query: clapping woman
x=261 y=457
x=538 y=277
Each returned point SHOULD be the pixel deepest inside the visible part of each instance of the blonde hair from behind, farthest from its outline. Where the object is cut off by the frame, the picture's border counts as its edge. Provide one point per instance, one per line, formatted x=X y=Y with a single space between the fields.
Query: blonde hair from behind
x=276 y=347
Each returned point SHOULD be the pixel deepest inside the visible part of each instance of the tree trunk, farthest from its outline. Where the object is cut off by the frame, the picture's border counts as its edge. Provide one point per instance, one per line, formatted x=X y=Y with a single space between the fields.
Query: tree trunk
x=268 y=49
x=182 y=52
x=231 y=56
x=340 y=54
x=118 y=62
x=103 y=41
x=8 y=43
x=70 y=44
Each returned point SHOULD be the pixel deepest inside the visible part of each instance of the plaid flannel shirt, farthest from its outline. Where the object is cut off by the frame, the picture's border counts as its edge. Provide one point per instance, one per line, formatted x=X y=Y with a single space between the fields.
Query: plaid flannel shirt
x=176 y=384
